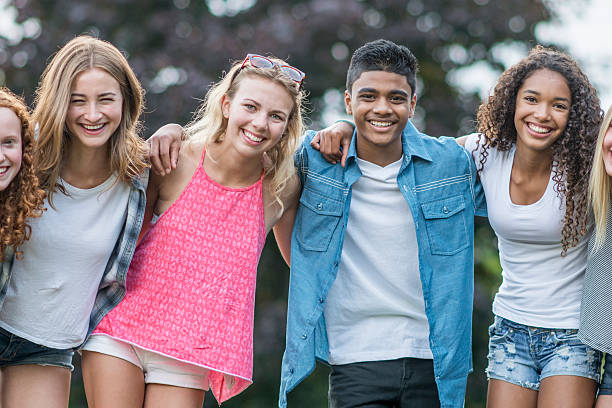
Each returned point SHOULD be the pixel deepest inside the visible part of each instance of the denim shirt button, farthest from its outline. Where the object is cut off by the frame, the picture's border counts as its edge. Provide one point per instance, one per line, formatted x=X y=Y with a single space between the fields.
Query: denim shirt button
x=321 y=300
x=320 y=206
x=335 y=264
x=291 y=370
x=445 y=210
x=304 y=337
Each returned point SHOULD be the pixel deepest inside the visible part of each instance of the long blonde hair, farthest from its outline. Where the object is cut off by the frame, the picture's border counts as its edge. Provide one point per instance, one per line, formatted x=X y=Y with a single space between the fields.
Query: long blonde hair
x=209 y=124
x=600 y=187
x=127 y=150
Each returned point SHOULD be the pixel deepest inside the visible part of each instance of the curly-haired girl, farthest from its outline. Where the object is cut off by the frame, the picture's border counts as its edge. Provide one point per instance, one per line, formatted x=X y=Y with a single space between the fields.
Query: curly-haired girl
x=595 y=317
x=20 y=195
x=535 y=144
x=186 y=323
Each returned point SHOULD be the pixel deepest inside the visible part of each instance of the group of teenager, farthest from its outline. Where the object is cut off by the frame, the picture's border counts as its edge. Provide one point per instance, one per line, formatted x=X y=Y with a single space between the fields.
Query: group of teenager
x=151 y=275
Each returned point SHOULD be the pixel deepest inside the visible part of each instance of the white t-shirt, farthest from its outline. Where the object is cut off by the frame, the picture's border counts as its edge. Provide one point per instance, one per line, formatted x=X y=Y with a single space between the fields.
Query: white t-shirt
x=375 y=308
x=52 y=290
x=539 y=287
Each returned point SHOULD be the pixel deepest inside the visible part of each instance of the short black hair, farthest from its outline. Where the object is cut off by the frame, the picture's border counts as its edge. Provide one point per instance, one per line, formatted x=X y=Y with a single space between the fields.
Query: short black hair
x=383 y=55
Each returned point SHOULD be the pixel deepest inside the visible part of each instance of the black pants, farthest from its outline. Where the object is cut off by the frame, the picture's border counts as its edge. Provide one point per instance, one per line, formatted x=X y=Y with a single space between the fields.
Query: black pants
x=402 y=383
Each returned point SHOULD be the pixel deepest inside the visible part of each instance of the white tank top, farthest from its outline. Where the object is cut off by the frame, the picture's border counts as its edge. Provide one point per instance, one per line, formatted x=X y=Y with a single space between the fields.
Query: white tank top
x=539 y=287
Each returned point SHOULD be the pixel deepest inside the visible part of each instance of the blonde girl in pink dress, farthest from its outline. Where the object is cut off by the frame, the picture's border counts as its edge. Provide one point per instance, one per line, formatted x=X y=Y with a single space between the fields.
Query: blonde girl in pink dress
x=186 y=323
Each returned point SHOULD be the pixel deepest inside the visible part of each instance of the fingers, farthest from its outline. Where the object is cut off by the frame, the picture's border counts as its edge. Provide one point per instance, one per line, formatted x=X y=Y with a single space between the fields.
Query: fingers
x=164 y=154
x=164 y=147
x=315 y=141
x=156 y=164
x=346 y=143
x=175 y=147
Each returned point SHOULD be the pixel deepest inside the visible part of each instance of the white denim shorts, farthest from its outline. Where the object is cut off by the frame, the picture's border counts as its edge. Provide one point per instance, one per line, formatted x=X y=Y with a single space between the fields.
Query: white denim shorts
x=157 y=368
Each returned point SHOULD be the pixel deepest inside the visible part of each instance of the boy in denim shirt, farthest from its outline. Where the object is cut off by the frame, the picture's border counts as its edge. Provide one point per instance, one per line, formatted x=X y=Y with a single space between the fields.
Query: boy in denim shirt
x=382 y=251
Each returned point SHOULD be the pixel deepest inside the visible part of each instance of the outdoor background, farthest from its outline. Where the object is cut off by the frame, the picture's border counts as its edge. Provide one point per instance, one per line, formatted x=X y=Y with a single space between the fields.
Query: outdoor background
x=178 y=48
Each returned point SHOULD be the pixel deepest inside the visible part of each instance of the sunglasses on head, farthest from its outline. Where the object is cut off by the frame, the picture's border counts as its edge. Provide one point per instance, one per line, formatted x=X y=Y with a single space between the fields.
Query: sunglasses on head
x=259 y=61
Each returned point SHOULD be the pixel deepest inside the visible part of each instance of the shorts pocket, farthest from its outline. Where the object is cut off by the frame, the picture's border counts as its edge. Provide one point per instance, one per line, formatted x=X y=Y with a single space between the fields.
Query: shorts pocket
x=569 y=336
x=317 y=219
x=499 y=331
x=445 y=224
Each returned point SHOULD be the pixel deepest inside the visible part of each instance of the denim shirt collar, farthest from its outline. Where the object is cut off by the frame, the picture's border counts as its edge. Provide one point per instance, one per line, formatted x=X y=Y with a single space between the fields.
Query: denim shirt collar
x=412 y=144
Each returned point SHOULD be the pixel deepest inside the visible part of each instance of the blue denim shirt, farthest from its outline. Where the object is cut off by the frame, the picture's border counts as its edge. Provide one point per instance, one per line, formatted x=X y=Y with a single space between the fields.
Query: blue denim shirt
x=439 y=182
x=112 y=286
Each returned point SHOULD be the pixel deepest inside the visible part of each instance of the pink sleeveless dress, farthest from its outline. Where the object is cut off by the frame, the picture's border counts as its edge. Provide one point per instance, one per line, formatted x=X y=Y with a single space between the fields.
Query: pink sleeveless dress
x=191 y=284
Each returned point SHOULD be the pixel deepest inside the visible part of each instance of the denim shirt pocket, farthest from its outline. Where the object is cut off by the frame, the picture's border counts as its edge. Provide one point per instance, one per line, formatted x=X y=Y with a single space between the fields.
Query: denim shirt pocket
x=445 y=224
x=319 y=218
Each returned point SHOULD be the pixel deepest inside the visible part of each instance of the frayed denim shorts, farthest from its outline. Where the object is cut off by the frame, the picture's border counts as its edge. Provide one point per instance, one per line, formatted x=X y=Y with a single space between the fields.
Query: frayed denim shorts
x=15 y=350
x=525 y=355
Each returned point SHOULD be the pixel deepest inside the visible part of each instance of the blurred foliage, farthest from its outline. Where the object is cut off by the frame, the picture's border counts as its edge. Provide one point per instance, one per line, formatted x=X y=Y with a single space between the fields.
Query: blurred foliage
x=177 y=48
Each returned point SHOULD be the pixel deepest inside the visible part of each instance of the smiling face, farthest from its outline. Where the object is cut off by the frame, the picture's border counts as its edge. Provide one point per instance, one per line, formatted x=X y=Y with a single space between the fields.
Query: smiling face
x=542 y=110
x=381 y=104
x=95 y=108
x=257 y=115
x=10 y=146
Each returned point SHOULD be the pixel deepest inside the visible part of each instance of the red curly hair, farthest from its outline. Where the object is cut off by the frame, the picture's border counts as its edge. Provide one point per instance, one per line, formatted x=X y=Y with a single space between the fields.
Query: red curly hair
x=23 y=198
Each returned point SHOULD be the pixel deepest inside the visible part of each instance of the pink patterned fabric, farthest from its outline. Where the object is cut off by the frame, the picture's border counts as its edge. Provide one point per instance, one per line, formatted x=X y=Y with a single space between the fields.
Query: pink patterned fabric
x=191 y=284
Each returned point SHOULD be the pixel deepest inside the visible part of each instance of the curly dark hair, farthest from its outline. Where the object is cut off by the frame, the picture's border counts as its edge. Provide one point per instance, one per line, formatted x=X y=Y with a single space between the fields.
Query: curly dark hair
x=23 y=198
x=572 y=152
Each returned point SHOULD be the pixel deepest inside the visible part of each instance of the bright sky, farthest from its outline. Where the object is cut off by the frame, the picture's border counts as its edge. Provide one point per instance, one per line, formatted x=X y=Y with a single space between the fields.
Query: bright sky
x=585 y=31
x=582 y=27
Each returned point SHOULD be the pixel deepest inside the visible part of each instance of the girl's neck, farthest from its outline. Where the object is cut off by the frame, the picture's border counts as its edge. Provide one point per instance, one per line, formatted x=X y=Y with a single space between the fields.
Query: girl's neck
x=229 y=168
x=532 y=162
x=86 y=167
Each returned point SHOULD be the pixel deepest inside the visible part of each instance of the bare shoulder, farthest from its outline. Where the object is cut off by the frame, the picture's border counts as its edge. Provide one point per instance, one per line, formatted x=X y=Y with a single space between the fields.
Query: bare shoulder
x=189 y=157
x=172 y=185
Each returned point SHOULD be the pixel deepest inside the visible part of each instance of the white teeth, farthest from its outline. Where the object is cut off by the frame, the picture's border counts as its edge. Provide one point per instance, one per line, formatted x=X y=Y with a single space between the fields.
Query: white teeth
x=252 y=137
x=3 y=170
x=93 y=127
x=378 y=123
x=538 y=129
